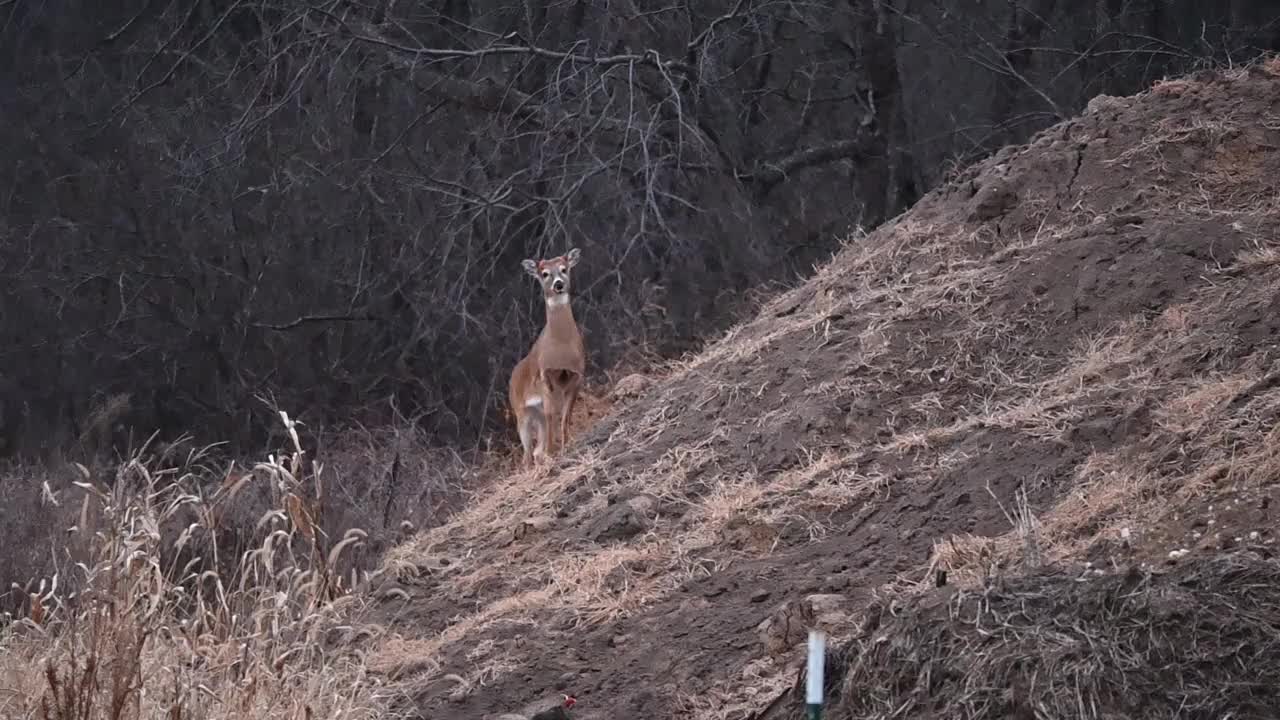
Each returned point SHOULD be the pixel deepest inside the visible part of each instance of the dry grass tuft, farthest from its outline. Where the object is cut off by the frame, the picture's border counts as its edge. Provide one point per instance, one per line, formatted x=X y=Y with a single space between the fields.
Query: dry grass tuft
x=1200 y=641
x=142 y=629
x=756 y=685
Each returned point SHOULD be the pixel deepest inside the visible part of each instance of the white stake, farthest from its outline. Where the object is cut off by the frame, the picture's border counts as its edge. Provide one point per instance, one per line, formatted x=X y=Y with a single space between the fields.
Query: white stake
x=813 y=686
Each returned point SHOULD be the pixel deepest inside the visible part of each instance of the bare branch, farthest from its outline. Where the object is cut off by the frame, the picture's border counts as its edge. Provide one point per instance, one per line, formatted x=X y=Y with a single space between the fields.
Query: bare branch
x=369 y=35
x=310 y=320
x=695 y=45
x=484 y=95
x=770 y=174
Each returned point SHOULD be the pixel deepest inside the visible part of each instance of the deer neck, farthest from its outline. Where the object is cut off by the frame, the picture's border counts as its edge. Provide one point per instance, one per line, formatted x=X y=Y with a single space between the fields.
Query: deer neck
x=560 y=322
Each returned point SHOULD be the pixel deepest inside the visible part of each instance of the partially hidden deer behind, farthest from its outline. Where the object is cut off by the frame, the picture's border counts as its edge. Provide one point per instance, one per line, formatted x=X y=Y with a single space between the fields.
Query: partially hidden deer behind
x=545 y=384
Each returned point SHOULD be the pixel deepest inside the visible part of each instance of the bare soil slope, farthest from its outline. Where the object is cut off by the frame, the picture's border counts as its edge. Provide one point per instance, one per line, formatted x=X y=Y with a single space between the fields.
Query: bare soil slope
x=1067 y=353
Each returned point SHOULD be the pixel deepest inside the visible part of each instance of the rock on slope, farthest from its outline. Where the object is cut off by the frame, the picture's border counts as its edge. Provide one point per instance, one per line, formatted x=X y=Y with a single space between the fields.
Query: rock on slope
x=1065 y=353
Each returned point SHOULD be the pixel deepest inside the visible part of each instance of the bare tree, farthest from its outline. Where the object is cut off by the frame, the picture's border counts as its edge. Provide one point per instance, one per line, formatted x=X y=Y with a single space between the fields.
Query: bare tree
x=212 y=201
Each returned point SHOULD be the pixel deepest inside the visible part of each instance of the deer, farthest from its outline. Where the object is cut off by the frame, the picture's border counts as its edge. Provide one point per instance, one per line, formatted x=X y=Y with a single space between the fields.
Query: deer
x=546 y=381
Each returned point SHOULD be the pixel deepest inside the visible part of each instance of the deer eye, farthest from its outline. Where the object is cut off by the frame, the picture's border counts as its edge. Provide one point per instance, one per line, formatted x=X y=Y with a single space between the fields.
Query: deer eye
x=563 y=269
x=546 y=273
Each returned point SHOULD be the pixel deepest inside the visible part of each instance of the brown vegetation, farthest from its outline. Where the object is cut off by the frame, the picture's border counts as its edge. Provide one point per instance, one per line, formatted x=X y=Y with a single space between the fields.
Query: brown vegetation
x=1196 y=641
x=139 y=622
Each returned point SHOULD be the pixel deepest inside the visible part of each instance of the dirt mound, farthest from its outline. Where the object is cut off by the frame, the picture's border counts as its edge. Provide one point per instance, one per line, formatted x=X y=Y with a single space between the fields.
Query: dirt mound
x=1199 y=641
x=1071 y=346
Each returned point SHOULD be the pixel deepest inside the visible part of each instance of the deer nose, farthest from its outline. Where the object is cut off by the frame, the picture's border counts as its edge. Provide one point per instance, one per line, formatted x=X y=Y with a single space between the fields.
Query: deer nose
x=558 y=285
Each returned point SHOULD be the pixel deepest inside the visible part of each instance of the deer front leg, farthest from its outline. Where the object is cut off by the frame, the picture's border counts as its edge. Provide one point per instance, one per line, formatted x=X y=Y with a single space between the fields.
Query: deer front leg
x=553 y=403
x=566 y=410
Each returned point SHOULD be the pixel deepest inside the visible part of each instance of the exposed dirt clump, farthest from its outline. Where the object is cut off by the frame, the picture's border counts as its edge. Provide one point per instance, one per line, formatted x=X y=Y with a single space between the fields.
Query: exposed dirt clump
x=1065 y=354
x=1198 y=641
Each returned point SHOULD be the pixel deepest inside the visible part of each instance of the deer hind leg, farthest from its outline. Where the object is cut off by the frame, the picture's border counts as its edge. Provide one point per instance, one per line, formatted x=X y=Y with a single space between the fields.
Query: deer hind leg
x=522 y=427
x=540 y=438
x=533 y=431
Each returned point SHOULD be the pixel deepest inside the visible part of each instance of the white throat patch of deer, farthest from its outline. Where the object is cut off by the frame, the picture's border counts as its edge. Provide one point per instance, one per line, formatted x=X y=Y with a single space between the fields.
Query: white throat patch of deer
x=545 y=383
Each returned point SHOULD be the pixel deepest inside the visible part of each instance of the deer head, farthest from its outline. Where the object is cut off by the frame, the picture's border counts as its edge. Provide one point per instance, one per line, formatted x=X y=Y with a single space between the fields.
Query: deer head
x=553 y=275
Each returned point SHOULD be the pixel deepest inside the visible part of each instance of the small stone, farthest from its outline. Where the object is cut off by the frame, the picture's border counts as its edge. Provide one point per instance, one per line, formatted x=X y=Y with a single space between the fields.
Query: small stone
x=623 y=520
x=829 y=610
x=786 y=627
x=992 y=200
x=760 y=596
x=531 y=526
x=631 y=386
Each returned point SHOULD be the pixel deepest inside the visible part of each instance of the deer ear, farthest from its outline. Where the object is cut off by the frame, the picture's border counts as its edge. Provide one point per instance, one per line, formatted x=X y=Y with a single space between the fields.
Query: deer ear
x=530 y=267
x=573 y=257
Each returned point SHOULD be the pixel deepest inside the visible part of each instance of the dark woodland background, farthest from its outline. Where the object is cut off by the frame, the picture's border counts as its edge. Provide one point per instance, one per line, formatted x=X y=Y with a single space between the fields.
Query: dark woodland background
x=213 y=205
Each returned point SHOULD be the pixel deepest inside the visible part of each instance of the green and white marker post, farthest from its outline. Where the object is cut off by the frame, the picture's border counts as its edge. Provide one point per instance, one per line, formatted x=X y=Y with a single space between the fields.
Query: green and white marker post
x=813 y=686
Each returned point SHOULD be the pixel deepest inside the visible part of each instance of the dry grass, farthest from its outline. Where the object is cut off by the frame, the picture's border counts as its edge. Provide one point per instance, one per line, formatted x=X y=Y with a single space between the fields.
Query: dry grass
x=1201 y=643
x=603 y=584
x=730 y=513
x=743 y=513
x=1219 y=423
x=143 y=629
x=1262 y=256
x=758 y=683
